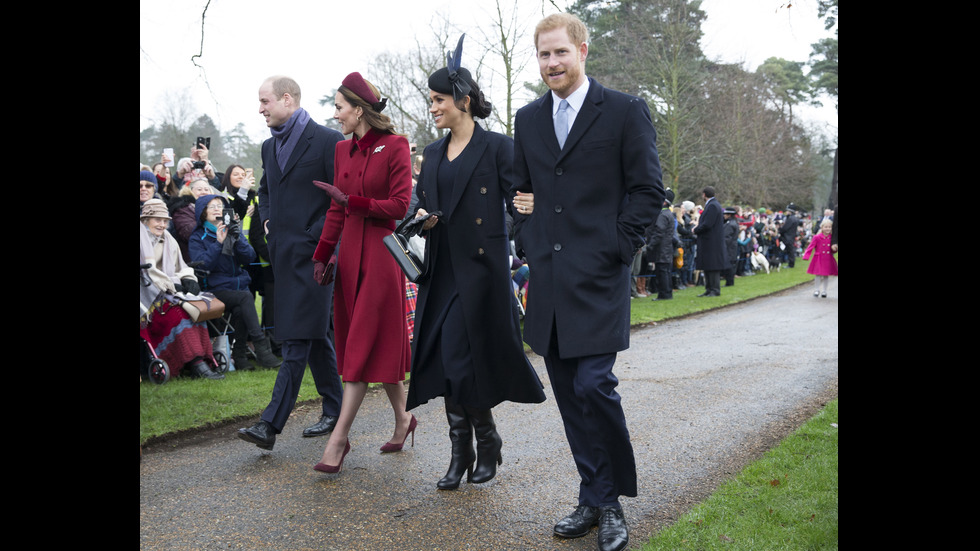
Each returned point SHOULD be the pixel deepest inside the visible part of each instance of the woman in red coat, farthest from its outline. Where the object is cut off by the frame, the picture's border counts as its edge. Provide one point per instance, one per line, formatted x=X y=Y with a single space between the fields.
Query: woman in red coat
x=371 y=191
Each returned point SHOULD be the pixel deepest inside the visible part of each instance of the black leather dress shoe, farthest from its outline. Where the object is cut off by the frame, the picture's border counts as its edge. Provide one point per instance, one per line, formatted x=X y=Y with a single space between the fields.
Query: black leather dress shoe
x=578 y=524
x=324 y=426
x=613 y=535
x=261 y=434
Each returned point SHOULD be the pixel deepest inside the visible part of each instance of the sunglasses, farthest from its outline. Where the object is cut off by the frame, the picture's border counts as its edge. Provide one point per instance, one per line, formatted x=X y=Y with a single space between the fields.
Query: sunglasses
x=147 y=186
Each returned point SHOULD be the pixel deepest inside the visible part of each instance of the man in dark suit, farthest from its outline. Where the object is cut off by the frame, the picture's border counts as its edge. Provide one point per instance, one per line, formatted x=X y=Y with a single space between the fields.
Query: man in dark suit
x=788 y=233
x=711 y=256
x=292 y=211
x=588 y=155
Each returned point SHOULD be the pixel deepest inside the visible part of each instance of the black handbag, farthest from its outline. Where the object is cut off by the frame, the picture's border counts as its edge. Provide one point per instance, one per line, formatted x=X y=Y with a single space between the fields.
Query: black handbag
x=414 y=265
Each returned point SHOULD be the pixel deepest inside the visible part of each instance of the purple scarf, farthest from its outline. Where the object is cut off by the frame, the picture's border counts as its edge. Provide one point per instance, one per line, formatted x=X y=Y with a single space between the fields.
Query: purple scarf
x=286 y=139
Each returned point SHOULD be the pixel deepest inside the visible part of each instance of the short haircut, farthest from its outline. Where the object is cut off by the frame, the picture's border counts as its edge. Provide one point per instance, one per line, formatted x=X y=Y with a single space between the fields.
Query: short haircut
x=709 y=191
x=577 y=32
x=284 y=85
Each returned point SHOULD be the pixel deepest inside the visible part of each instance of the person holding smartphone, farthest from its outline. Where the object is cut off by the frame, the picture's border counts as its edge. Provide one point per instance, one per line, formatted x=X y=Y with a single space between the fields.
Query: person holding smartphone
x=239 y=184
x=223 y=252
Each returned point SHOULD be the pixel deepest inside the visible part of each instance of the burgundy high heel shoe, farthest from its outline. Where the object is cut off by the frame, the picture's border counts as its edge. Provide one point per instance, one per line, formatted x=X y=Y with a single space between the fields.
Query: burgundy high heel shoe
x=390 y=447
x=324 y=468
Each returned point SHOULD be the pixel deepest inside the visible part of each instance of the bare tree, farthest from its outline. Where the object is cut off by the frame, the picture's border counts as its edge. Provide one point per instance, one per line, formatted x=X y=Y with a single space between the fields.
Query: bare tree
x=752 y=152
x=507 y=54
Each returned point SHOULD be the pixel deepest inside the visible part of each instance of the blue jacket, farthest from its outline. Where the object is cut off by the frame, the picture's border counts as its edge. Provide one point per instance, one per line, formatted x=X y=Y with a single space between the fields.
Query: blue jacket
x=226 y=271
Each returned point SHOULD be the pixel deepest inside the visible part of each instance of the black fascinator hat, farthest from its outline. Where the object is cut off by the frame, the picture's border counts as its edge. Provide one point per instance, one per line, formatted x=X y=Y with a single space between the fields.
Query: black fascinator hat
x=456 y=80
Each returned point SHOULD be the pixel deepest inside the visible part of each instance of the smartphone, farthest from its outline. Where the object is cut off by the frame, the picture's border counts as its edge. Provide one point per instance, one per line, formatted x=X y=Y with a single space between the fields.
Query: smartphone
x=169 y=152
x=206 y=142
x=228 y=216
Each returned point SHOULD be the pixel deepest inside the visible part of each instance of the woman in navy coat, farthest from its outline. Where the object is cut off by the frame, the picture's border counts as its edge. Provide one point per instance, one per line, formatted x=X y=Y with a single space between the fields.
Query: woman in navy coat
x=467 y=344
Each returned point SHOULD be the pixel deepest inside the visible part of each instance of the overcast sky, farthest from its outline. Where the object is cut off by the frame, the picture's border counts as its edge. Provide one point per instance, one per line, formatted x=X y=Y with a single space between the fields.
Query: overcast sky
x=318 y=42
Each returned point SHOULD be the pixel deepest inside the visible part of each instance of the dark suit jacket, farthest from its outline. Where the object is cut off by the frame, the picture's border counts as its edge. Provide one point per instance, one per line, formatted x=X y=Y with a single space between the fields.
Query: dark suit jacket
x=711 y=254
x=295 y=209
x=592 y=202
x=474 y=224
x=662 y=239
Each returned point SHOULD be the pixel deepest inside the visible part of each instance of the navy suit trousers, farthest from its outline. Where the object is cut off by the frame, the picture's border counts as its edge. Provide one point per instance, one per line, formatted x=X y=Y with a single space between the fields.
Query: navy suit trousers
x=585 y=390
x=296 y=354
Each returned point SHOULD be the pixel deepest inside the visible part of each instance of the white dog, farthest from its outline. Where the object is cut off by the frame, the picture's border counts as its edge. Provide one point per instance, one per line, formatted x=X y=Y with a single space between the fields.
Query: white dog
x=759 y=260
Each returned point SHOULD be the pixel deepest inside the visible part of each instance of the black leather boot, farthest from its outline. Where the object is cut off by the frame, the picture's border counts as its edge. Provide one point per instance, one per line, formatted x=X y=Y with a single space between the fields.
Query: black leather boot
x=488 y=444
x=239 y=356
x=461 y=436
x=263 y=352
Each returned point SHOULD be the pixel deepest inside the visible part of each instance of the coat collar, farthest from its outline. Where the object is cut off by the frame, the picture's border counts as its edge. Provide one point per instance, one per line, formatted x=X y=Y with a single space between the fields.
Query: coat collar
x=301 y=146
x=544 y=122
x=467 y=160
x=365 y=143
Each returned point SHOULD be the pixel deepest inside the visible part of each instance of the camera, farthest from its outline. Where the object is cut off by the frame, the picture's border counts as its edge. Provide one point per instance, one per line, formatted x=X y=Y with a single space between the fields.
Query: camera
x=206 y=143
x=230 y=222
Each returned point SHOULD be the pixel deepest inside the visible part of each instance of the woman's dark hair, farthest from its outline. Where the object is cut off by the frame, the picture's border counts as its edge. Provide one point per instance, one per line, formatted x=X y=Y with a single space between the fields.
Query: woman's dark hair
x=375 y=119
x=440 y=82
x=478 y=102
x=226 y=180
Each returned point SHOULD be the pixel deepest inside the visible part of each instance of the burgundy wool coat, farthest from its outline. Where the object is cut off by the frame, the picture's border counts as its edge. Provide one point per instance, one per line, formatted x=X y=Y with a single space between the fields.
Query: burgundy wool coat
x=369 y=290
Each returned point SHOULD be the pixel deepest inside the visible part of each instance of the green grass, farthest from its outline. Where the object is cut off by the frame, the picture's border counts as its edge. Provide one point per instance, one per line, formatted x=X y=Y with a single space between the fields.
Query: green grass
x=786 y=500
x=644 y=310
x=184 y=403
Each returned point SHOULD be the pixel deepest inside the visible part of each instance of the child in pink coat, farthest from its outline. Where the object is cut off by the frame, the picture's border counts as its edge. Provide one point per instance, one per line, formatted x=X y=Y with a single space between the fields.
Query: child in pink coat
x=823 y=265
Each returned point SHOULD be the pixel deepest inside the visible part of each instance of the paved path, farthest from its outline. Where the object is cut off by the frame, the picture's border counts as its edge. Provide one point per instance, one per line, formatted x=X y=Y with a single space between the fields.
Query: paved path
x=702 y=395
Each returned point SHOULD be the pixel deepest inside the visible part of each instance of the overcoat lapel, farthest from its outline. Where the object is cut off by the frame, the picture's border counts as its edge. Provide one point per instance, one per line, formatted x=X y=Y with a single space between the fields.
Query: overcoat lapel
x=545 y=125
x=586 y=117
x=468 y=160
x=301 y=146
x=544 y=121
x=432 y=175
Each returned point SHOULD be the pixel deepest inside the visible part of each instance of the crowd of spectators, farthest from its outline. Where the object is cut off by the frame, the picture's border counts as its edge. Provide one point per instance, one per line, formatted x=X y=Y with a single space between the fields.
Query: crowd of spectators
x=761 y=239
x=180 y=185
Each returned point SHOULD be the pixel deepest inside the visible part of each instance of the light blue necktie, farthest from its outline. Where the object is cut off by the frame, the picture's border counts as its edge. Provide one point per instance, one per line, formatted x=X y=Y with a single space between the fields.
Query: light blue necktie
x=561 y=123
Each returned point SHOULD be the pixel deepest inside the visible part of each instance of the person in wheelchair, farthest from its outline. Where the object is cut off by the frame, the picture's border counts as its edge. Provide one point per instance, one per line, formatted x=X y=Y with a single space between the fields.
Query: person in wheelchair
x=218 y=245
x=168 y=329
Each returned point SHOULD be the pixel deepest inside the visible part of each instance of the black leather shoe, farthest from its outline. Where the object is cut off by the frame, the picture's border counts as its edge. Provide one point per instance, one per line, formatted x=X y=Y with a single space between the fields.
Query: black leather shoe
x=324 y=426
x=261 y=434
x=202 y=370
x=578 y=524
x=613 y=535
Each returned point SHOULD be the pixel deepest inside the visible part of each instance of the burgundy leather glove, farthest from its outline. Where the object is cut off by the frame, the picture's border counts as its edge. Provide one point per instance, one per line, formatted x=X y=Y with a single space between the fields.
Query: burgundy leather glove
x=335 y=194
x=323 y=273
